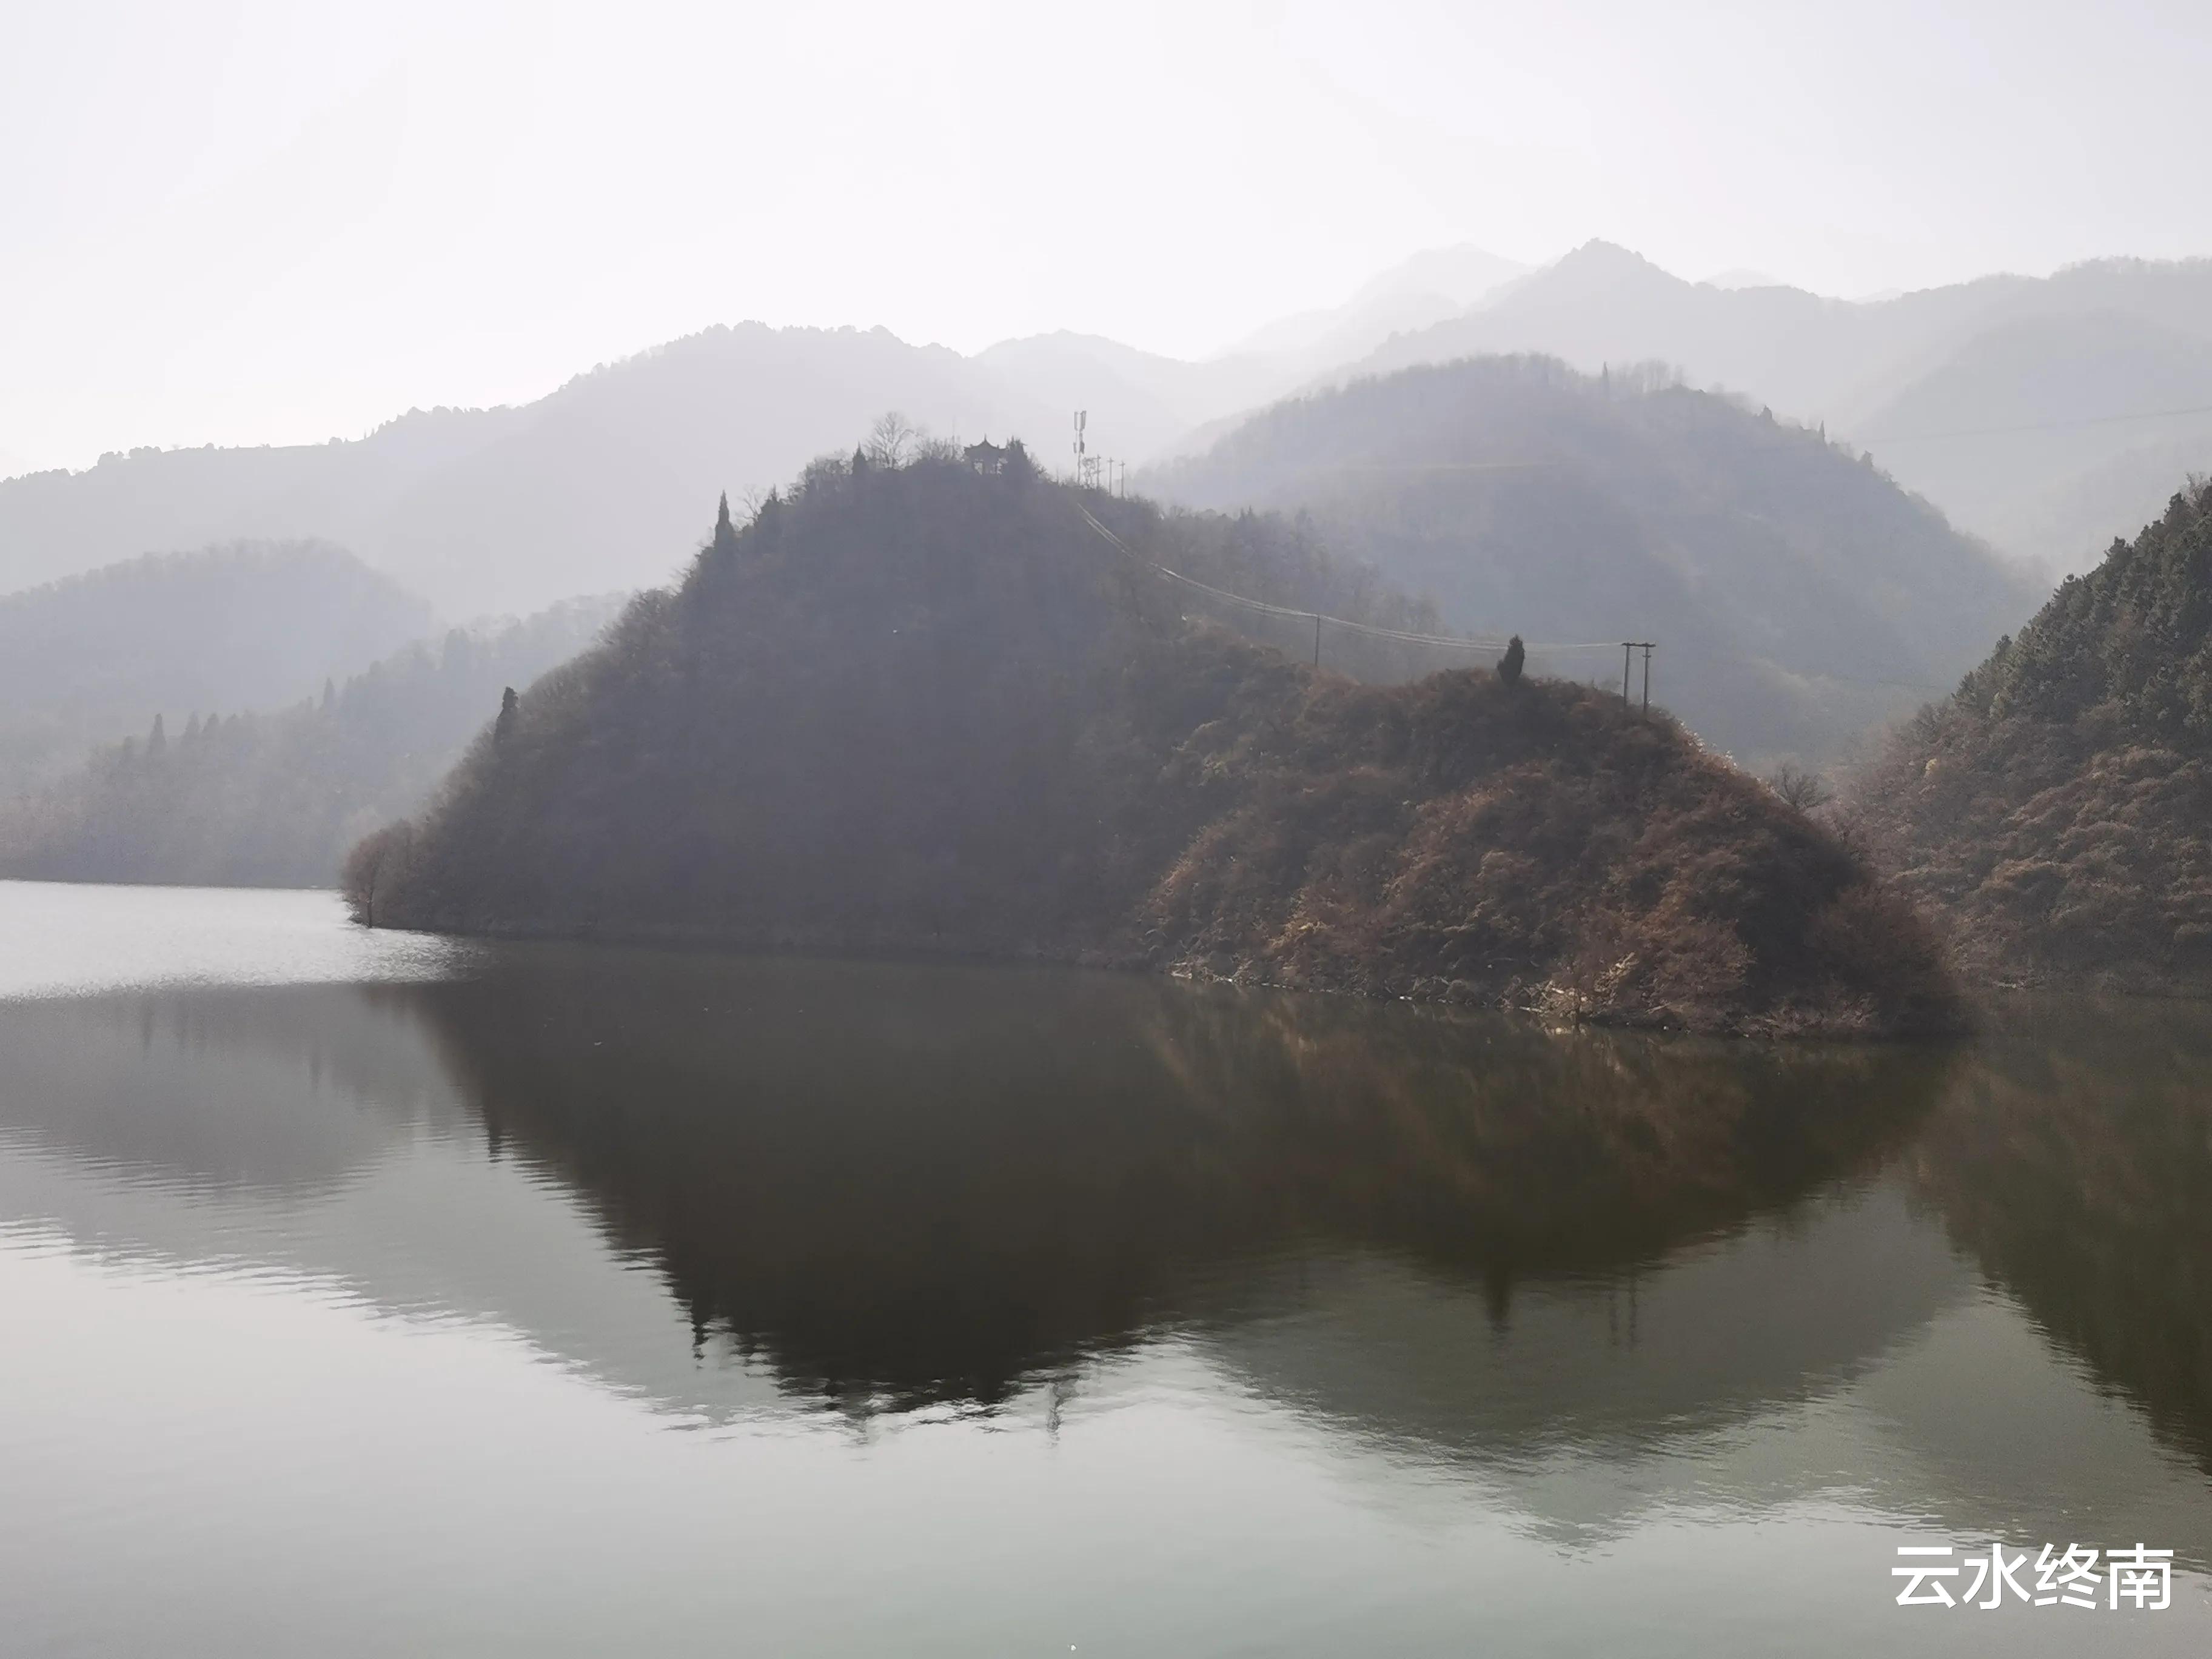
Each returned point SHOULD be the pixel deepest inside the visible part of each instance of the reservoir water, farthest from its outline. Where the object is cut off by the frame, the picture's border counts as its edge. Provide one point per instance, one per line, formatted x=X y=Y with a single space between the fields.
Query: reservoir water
x=372 y=1294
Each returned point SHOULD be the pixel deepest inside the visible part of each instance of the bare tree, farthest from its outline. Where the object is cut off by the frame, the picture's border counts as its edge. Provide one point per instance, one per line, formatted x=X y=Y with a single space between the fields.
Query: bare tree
x=889 y=437
x=1802 y=790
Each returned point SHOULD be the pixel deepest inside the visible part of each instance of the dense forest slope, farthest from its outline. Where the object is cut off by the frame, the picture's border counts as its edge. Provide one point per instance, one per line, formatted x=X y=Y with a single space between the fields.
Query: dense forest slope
x=2059 y=805
x=1798 y=597
x=930 y=709
x=85 y=660
x=275 y=798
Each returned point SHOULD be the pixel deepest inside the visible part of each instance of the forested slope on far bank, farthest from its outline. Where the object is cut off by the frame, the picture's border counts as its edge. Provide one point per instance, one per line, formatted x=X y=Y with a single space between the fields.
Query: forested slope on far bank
x=2058 y=809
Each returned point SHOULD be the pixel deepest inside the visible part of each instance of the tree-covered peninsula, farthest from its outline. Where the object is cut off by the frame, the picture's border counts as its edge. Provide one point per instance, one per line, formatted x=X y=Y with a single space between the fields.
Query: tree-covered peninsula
x=930 y=707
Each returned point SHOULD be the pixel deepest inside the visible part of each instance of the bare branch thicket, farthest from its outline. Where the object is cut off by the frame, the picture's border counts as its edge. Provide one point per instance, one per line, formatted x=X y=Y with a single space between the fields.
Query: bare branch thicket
x=1806 y=791
x=889 y=438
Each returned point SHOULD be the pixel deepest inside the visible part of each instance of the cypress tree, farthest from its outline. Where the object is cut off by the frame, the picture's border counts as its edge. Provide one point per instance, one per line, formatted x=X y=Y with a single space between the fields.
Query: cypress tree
x=726 y=533
x=157 y=740
x=504 y=725
x=1509 y=666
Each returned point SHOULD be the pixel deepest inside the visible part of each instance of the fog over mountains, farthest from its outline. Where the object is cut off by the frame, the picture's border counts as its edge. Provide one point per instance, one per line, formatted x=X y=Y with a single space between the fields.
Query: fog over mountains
x=2038 y=413
x=601 y=485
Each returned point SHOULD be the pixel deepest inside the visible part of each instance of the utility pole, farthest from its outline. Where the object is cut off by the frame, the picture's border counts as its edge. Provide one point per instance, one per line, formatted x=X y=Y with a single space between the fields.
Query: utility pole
x=1628 y=647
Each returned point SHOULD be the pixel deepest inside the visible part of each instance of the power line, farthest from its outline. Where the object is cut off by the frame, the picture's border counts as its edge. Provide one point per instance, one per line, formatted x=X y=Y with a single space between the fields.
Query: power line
x=2034 y=426
x=1437 y=466
x=1451 y=642
x=1401 y=635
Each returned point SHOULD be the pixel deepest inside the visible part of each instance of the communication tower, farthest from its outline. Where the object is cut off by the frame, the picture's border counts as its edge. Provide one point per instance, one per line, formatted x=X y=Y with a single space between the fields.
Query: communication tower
x=1086 y=464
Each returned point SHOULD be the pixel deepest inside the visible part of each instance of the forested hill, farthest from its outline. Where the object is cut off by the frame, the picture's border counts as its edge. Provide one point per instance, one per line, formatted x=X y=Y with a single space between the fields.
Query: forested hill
x=1798 y=597
x=275 y=797
x=2059 y=805
x=929 y=707
x=247 y=625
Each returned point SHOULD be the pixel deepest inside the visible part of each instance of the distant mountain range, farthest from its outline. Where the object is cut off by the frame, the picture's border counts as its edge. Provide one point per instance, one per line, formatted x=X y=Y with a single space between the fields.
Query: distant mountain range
x=2047 y=415
x=2050 y=415
x=605 y=482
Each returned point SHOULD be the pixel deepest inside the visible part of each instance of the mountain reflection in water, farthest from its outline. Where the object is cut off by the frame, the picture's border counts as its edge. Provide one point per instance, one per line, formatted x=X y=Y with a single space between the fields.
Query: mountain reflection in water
x=1582 y=1268
x=904 y=1185
x=2073 y=1161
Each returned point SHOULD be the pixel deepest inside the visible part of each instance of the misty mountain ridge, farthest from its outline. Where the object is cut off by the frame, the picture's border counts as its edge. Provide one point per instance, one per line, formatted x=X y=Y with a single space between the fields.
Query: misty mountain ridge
x=588 y=488
x=1415 y=294
x=502 y=510
x=1868 y=369
x=250 y=624
x=2053 y=432
x=1799 y=596
x=273 y=796
x=447 y=499
x=1817 y=358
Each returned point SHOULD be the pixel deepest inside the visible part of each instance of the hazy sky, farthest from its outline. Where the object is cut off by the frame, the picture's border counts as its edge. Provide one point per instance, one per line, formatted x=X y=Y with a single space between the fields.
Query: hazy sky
x=250 y=222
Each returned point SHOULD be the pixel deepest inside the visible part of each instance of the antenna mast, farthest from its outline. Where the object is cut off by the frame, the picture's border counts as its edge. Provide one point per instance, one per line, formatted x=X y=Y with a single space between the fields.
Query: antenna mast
x=1087 y=465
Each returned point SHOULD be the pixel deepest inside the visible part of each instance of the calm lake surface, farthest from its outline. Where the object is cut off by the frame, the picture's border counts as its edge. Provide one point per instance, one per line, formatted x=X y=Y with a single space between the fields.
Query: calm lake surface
x=375 y=1294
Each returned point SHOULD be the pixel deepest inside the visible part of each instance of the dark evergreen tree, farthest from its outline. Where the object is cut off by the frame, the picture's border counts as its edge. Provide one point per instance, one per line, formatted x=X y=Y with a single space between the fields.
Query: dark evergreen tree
x=726 y=533
x=1509 y=666
x=504 y=725
x=767 y=520
x=157 y=740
